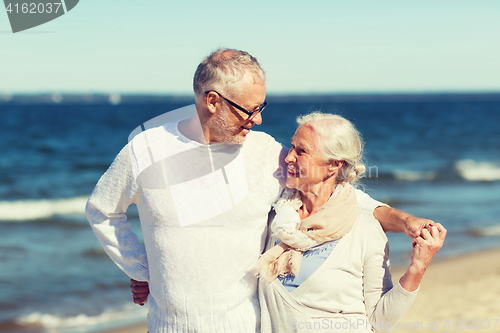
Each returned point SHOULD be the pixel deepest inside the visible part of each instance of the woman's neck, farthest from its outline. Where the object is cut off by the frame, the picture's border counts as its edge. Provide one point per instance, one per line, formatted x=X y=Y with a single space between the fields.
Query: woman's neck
x=314 y=198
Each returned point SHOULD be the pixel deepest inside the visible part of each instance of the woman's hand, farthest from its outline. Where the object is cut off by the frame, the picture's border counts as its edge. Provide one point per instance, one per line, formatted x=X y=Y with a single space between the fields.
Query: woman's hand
x=427 y=245
x=424 y=248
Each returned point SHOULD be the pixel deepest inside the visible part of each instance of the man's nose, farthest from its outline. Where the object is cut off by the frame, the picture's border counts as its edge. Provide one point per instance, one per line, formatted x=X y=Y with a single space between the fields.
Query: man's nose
x=257 y=118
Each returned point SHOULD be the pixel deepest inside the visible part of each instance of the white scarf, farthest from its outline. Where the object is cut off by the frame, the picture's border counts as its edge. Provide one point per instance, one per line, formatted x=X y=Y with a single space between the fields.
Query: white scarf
x=332 y=221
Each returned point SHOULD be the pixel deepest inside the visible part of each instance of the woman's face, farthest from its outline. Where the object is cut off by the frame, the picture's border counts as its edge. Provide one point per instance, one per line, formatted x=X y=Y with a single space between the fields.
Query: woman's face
x=306 y=165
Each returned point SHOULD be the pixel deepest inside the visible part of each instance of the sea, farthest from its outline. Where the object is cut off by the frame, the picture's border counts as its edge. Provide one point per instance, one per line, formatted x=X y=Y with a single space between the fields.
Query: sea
x=432 y=155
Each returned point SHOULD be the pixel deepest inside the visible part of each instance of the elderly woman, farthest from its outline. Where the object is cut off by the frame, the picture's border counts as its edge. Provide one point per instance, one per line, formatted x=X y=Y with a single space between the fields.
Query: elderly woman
x=326 y=268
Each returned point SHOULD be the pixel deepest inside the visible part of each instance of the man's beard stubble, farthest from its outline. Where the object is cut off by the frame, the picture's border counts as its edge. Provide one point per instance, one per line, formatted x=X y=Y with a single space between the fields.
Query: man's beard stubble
x=220 y=130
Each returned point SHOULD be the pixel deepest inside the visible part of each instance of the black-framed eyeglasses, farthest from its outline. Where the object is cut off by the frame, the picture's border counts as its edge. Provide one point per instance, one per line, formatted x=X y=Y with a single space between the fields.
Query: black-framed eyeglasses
x=250 y=113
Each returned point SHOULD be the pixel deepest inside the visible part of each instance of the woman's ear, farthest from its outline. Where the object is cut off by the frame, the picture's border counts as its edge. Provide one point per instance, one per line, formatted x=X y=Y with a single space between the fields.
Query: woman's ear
x=335 y=166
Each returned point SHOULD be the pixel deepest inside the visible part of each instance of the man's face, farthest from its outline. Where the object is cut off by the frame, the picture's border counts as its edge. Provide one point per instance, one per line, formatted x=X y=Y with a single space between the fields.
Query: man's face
x=232 y=125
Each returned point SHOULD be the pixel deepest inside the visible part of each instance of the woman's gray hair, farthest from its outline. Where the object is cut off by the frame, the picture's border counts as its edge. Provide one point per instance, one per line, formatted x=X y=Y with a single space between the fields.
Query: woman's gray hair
x=338 y=140
x=223 y=69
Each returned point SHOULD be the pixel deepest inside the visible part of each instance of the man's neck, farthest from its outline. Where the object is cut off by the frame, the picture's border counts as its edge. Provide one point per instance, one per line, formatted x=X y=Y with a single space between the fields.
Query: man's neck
x=192 y=129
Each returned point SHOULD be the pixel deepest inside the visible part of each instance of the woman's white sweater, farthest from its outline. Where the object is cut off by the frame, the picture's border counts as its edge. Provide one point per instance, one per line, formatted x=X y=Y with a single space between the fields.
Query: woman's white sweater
x=351 y=291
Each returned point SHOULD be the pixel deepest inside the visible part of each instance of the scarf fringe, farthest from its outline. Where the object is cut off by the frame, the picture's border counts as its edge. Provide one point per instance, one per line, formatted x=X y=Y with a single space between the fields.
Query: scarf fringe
x=266 y=270
x=286 y=264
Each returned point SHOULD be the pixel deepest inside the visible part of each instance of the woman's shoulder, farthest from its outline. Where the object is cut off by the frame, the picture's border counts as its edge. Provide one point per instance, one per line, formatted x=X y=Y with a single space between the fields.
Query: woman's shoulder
x=369 y=228
x=369 y=237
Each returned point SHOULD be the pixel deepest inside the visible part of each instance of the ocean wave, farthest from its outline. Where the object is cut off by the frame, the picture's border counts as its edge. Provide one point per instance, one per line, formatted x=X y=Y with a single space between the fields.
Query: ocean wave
x=127 y=315
x=487 y=231
x=26 y=210
x=414 y=176
x=478 y=171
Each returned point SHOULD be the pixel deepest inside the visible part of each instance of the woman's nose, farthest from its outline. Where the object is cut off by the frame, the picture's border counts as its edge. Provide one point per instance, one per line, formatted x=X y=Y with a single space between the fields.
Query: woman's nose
x=290 y=157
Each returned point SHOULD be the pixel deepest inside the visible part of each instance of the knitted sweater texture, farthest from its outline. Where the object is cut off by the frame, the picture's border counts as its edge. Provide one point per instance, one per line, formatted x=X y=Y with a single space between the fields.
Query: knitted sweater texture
x=203 y=212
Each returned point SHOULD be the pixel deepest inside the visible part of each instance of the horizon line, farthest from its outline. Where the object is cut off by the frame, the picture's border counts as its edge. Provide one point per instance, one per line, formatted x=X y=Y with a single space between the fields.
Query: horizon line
x=126 y=98
x=269 y=93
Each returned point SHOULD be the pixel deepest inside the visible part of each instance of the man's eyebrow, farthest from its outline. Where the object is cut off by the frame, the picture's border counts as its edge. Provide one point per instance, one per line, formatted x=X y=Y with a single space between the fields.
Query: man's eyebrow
x=256 y=106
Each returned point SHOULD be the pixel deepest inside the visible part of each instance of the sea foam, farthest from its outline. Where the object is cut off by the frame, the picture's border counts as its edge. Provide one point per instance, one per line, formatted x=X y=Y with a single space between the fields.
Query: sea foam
x=487 y=231
x=478 y=171
x=128 y=315
x=414 y=176
x=25 y=210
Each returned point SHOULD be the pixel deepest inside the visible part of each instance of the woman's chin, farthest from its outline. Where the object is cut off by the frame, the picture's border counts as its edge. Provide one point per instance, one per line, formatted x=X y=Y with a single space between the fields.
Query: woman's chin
x=291 y=183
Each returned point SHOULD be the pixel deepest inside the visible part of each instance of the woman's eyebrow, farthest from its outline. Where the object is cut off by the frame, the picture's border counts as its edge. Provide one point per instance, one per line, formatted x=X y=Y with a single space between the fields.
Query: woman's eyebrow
x=302 y=145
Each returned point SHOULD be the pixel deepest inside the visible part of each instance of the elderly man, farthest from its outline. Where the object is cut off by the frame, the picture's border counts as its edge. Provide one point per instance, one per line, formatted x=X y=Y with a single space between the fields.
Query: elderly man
x=203 y=197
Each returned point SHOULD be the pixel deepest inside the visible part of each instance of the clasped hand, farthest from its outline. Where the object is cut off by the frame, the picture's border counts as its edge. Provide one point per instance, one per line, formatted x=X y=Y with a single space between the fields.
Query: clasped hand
x=140 y=291
x=426 y=245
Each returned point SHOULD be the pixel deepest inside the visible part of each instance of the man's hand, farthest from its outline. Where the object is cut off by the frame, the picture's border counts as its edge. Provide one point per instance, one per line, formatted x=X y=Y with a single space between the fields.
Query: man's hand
x=414 y=226
x=394 y=220
x=140 y=291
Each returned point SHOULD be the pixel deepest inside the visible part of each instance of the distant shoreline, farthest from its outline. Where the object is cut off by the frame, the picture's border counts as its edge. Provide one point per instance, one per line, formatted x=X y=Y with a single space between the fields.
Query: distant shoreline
x=132 y=98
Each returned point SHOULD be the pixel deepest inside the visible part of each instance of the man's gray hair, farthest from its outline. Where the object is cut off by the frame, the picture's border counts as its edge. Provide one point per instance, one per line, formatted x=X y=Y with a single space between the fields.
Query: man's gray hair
x=338 y=140
x=223 y=69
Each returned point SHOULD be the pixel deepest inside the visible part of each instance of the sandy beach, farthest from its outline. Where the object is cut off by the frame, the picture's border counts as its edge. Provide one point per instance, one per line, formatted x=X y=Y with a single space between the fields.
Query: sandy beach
x=457 y=294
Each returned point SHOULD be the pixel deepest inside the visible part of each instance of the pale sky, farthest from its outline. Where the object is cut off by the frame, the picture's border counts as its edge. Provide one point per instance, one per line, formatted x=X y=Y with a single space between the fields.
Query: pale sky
x=154 y=46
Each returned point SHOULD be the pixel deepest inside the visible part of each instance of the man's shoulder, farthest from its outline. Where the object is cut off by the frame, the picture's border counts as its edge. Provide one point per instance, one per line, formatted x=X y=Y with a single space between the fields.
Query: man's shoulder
x=164 y=123
x=256 y=135
x=156 y=135
x=155 y=144
x=263 y=140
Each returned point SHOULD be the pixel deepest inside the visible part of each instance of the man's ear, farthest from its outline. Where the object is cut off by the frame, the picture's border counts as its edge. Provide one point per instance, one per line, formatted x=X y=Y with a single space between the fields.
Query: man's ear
x=211 y=100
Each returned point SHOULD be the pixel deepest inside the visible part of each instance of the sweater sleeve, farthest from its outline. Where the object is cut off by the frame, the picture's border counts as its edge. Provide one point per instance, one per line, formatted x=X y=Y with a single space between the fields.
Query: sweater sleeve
x=366 y=203
x=384 y=302
x=106 y=211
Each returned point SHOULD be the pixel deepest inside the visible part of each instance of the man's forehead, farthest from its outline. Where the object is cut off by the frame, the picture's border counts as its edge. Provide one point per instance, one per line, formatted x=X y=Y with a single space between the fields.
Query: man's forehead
x=251 y=90
x=251 y=78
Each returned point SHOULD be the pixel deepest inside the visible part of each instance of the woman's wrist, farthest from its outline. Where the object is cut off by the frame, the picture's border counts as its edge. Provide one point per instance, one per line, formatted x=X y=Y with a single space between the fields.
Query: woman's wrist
x=417 y=269
x=410 y=281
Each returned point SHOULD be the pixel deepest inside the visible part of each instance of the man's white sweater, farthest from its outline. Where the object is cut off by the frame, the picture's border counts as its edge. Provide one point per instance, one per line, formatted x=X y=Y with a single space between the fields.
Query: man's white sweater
x=203 y=230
